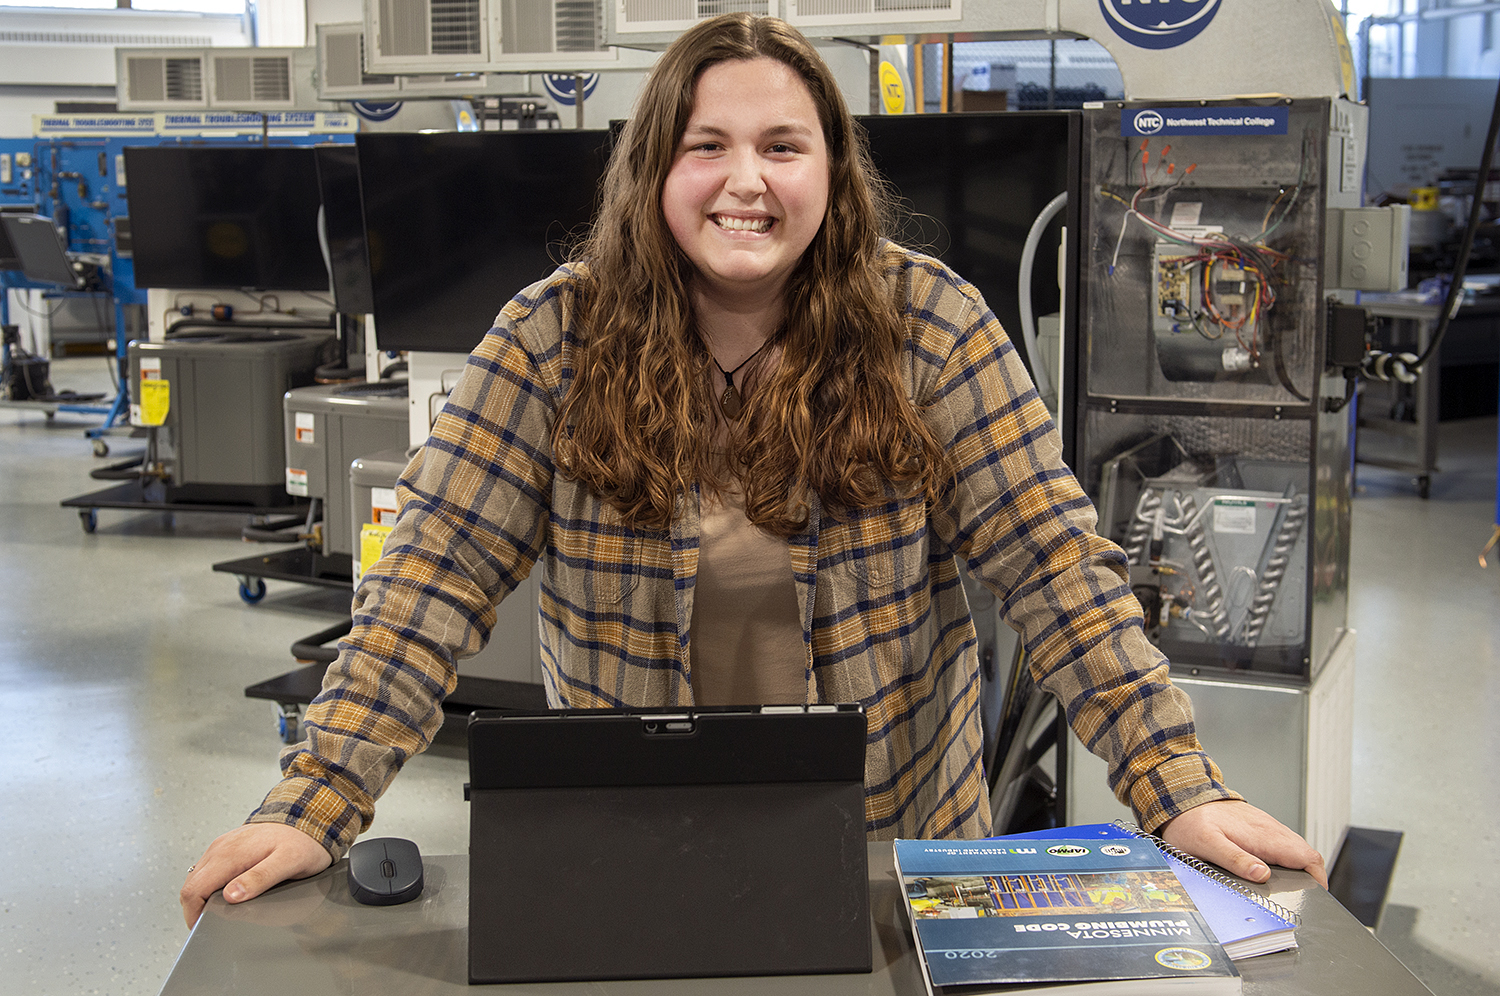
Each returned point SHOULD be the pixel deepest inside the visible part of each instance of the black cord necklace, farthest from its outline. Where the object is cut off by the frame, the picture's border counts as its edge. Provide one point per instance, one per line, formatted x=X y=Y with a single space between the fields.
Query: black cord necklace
x=730 y=402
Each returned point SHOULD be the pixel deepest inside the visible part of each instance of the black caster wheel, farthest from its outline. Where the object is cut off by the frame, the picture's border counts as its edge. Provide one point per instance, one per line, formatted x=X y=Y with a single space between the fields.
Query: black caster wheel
x=1424 y=486
x=101 y=448
x=90 y=519
x=252 y=590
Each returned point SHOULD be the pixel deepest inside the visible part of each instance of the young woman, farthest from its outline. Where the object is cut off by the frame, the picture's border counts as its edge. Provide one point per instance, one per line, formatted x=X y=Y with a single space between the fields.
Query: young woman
x=747 y=437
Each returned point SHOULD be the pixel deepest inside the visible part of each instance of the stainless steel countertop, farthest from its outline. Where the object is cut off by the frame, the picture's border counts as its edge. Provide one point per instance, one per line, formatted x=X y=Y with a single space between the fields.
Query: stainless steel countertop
x=311 y=938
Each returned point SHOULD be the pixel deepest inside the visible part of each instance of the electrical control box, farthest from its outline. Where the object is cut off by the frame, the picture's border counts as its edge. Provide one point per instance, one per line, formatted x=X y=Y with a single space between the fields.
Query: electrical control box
x=1367 y=248
x=17 y=173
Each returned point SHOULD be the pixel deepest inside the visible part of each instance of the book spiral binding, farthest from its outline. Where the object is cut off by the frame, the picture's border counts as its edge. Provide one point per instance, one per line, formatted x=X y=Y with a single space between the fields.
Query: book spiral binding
x=1210 y=872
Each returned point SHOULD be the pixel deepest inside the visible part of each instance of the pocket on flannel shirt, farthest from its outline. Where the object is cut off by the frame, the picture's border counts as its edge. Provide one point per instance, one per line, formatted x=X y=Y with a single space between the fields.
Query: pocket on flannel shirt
x=886 y=547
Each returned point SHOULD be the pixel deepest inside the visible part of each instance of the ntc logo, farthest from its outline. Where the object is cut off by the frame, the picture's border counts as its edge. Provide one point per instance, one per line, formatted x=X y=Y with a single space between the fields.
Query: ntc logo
x=377 y=110
x=561 y=86
x=1149 y=123
x=1158 y=23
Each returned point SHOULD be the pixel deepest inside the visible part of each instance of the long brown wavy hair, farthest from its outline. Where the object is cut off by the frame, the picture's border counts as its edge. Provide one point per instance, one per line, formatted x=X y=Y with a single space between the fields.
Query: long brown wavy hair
x=832 y=417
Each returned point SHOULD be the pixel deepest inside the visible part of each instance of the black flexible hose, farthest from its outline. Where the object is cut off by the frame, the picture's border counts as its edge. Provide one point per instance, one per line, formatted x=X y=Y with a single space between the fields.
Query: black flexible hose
x=258 y=534
x=336 y=372
x=311 y=648
x=121 y=470
x=217 y=326
x=286 y=529
x=1456 y=285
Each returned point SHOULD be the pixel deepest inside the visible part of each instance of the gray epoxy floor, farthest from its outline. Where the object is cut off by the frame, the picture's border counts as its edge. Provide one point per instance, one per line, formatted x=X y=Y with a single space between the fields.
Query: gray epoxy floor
x=128 y=743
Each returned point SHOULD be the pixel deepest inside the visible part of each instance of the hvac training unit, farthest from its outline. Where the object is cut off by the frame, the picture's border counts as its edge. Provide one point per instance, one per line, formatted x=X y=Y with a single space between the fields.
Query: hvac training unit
x=222 y=433
x=513 y=655
x=1213 y=433
x=211 y=401
x=326 y=426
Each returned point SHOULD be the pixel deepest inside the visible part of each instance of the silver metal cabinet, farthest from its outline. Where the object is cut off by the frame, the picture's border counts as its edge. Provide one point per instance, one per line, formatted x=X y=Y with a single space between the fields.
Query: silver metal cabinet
x=327 y=427
x=1197 y=426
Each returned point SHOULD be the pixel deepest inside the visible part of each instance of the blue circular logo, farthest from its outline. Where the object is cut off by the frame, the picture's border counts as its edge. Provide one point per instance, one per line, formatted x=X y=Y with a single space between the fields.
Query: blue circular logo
x=377 y=110
x=1160 y=24
x=1148 y=123
x=559 y=86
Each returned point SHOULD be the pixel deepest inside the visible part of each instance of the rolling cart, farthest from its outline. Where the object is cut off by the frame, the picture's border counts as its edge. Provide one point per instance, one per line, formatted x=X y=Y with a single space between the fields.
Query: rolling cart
x=498 y=677
x=215 y=442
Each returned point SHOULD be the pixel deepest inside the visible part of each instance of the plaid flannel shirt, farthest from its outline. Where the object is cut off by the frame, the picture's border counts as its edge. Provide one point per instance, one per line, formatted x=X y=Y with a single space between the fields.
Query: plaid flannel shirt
x=885 y=619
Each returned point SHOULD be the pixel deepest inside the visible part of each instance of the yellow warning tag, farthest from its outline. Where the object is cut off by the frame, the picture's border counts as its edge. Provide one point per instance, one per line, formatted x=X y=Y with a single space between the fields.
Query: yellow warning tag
x=371 y=545
x=156 y=400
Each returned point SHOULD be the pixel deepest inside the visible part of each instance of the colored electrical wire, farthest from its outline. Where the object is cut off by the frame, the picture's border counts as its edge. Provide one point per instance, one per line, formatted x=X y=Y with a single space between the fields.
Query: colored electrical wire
x=1255 y=261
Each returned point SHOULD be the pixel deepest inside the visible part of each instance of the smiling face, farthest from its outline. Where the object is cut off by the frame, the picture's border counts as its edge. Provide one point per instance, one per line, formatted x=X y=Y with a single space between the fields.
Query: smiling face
x=748 y=188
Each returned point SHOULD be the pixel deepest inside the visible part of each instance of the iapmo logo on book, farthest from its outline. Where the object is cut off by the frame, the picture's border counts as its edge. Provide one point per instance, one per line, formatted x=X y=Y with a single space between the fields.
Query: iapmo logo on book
x=1163 y=24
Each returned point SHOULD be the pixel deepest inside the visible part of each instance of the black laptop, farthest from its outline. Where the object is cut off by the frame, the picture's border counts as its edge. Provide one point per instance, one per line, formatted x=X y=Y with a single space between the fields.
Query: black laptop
x=634 y=844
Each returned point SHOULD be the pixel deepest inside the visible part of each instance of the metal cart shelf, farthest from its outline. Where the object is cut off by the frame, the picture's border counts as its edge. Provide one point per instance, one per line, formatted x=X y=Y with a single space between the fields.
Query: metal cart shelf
x=303 y=565
x=137 y=497
x=297 y=688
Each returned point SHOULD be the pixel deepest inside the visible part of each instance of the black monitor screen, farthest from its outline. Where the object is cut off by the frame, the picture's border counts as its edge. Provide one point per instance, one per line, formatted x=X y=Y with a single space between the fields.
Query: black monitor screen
x=972 y=185
x=344 y=228
x=40 y=249
x=8 y=258
x=205 y=217
x=458 y=222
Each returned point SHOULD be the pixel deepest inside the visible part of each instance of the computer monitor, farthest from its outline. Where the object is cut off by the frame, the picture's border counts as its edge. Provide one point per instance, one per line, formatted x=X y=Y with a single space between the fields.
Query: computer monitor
x=458 y=222
x=225 y=217
x=40 y=249
x=971 y=187
x=343 y=226
x=8 y=258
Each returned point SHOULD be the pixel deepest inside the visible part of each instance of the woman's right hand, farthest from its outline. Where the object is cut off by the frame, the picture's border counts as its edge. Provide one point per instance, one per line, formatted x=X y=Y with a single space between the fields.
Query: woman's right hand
x=247 y=861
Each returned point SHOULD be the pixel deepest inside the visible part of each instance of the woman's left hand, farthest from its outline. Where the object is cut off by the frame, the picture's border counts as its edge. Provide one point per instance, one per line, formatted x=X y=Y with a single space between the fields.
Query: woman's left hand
x=1242 y=839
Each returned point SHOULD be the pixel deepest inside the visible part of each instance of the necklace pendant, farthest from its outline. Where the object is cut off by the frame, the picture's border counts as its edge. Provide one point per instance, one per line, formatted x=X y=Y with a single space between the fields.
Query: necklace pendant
x=730 y=403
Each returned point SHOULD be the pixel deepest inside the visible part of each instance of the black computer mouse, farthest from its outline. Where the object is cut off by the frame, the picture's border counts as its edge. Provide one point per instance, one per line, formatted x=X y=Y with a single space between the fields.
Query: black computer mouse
x=384 y=871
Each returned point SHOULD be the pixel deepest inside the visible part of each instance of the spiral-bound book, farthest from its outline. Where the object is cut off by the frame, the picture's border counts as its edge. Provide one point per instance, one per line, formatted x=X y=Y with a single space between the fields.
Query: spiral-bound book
x=1056 y=916
x=1246 y=923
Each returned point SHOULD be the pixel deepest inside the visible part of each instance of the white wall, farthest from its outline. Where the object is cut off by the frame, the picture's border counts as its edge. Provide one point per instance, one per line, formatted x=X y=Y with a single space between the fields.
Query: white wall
x=282 y=23
x=19 y=103
x=52 y=54
x=332 y=12
x=73 y=47
x=1474 y=46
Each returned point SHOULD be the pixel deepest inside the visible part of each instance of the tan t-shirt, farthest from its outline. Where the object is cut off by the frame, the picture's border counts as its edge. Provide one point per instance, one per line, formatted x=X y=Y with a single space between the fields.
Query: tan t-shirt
x=746 y=633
